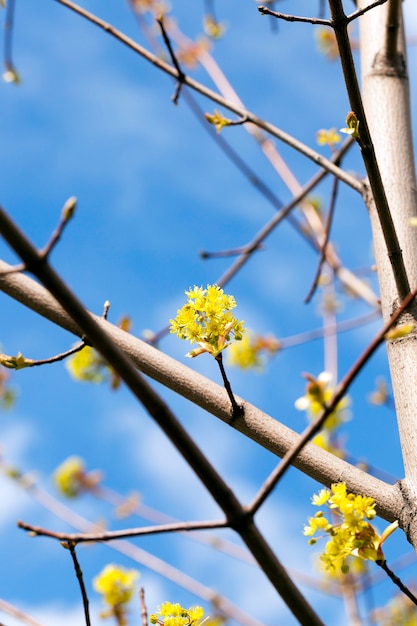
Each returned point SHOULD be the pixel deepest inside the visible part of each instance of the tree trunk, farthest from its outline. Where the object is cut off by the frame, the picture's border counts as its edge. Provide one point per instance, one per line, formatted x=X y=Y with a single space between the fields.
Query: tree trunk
x=386 y=99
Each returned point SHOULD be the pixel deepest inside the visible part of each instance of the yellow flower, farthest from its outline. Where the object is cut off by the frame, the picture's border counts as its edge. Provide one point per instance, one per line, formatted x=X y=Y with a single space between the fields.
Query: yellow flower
x=352 y=125
x=353 y=534
x=71 y=477
x=212 y=28
x=326 y=42
x=116 y=584
x=250 y=351
x=327 y=137
x=206 y=320
x=318 y=393
x=86 y=365
x=169 y=614
x=218 y=120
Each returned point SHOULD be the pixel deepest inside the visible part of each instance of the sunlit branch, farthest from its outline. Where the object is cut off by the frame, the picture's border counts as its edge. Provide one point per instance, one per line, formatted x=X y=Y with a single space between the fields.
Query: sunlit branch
x=311 y=154
x=267 y=431
x=322 y=258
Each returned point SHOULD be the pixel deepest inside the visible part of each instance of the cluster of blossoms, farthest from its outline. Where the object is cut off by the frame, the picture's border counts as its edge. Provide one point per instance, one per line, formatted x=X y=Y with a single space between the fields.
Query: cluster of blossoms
x=318 y=394
x=206 y=319
x=252 y=350
x=117 y=586
x=169 y=614
x=326 y=43
x=328 y=137
x=71 y=477
x=352 y=534
x=87 y=365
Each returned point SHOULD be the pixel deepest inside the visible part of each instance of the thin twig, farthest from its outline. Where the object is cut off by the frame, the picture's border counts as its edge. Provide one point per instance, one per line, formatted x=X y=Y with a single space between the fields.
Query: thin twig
x=293 y=18
x=71 y=547
x=236 y=409
x=111 y=535
x=356 y=14
x=339 y=393
x=397 y=581
x=181 y=75
x=322 y=258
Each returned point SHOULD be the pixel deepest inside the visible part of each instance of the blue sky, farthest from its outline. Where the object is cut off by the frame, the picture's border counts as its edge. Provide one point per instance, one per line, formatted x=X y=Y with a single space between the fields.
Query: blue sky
x=93 y=120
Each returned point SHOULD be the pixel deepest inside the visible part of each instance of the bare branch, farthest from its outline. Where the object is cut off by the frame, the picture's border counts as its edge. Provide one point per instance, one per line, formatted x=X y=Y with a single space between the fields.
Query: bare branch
x=293 y=18
x=111 y=535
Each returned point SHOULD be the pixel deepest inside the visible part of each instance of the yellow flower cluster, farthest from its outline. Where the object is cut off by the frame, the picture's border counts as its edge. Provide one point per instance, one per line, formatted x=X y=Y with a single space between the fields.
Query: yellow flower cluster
x=87 y=365
x=352 y=125
x=206 y=320
x=327 y=137
x=251 y=350
x=117 y=586
x=318 y=393
x=352 y=534
x=169 y=614
x=218 y=120
x=326 y=43
x=71 y=477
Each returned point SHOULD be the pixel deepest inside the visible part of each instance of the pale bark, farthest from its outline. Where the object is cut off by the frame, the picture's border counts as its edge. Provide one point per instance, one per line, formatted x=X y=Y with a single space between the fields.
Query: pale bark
x=386 y=99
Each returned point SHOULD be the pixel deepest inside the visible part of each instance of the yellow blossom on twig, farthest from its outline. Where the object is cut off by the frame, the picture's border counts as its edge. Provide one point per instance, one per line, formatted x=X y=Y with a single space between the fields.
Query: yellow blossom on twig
x=250 y=352
x=350 y=531
x=86 y=365
x=327 y=137
x=169 y=614
x=212 y=28
x=206 y=320
x=71 y=477
x=17 y=362
x=117 y=586
x=218 y=120
x=352 y=125
x=326 y=42
x=318 y=394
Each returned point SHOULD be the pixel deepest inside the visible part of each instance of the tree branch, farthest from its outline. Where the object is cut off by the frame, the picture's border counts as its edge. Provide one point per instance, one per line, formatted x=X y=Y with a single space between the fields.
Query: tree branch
x=257 y=425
